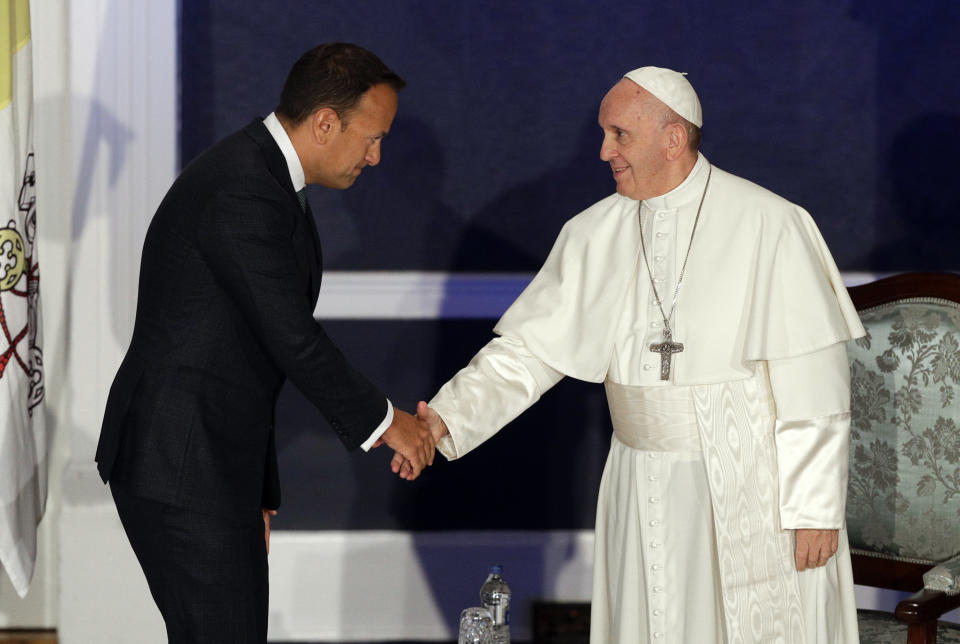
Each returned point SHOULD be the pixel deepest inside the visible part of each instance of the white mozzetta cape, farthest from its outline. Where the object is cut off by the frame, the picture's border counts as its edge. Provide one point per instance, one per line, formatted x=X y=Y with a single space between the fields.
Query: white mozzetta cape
x=760 y=285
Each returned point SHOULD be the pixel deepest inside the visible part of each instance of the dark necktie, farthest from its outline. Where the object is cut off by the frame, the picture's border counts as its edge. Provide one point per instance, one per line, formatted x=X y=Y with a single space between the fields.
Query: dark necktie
x=302 y=198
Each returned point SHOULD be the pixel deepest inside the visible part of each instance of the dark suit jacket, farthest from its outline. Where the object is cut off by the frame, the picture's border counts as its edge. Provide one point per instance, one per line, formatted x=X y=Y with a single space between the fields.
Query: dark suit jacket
x=228 y=282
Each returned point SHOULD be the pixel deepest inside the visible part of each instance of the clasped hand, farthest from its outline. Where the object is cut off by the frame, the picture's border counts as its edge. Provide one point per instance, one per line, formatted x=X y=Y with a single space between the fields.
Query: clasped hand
x=413 y=444
x=413 y=440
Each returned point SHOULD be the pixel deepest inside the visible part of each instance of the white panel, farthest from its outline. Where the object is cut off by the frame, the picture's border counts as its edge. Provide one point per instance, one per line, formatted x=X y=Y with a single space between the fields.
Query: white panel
x=415 y=295
x=409 y=295
x=398 y=585
x=104 y=597
x=122 y=86
x=124 y=151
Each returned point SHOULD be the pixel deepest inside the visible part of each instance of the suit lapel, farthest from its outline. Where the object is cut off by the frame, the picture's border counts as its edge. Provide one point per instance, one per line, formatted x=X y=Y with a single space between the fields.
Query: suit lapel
x=316 y=263
x=305 y=247
x=306 y=241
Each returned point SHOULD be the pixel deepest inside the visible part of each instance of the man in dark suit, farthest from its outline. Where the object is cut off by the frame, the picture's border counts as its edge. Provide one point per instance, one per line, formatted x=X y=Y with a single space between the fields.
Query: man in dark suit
x=229 y=278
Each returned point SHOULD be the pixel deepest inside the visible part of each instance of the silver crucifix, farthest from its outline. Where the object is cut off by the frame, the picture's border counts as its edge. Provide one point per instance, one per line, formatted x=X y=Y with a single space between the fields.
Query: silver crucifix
x=666 y=349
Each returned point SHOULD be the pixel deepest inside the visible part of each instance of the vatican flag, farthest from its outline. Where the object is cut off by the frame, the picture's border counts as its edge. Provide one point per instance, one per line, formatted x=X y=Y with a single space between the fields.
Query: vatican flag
x=23 y=458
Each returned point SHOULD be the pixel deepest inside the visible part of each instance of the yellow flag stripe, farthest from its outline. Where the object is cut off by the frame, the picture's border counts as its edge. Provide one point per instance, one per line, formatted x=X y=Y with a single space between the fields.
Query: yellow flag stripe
x=14 y=35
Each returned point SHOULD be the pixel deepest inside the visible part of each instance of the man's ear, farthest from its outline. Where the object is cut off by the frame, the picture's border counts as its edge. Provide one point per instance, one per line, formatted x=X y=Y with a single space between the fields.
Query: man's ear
x=676 y=141
x=323 y=123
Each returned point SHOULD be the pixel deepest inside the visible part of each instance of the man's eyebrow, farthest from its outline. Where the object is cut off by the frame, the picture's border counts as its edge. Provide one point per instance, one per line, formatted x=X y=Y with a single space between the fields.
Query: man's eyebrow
x=614 y=126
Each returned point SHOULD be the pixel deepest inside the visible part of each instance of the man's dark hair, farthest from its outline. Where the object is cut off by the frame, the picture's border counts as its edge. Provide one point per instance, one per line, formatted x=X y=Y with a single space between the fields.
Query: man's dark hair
x=333 y=75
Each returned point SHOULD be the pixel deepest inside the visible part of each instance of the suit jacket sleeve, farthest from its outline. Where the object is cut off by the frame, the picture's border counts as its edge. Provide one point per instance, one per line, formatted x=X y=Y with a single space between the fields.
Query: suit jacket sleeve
x=246 y=239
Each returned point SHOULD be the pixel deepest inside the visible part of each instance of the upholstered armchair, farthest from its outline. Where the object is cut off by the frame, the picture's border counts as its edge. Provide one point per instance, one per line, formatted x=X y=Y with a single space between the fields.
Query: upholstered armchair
x=903 y=504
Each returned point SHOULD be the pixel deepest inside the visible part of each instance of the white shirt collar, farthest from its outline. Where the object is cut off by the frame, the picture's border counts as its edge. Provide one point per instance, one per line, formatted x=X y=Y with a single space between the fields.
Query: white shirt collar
x=293 y=161
x=689 y=188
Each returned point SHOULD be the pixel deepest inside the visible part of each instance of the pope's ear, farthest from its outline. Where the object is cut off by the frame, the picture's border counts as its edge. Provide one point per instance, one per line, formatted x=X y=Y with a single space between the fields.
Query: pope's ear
x=323 y=122
x=676 y=140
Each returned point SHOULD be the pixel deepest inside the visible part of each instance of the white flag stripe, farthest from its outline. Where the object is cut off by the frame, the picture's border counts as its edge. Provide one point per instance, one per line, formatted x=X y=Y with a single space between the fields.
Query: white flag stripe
x=23 y=461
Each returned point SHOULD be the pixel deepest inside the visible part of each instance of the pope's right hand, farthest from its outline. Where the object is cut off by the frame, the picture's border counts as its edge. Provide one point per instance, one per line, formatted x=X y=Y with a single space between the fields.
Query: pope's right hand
x=438 y=429
x=410 y=438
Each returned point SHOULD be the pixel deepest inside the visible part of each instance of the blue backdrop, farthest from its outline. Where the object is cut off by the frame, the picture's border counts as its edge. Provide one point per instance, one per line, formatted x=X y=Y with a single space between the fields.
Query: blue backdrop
x=848 y=108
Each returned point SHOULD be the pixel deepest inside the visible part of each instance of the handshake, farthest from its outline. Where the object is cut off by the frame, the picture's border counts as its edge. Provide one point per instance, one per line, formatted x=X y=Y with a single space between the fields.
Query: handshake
x=413 y=440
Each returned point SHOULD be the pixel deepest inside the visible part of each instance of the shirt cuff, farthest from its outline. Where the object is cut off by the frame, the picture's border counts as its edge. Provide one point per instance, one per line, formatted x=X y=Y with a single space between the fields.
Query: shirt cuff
x=381 y=428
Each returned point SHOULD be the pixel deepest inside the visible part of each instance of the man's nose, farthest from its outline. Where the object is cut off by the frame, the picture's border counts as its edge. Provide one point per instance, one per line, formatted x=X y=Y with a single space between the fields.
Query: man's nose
x=606 y=150
x=373 y=154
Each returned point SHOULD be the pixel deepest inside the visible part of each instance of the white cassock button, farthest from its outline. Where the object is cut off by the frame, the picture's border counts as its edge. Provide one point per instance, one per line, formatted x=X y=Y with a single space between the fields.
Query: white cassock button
x=661 y=215
x=654 y=324
x=658 y=612
x=647 y=367
x=655 y=523
x=661 y=235
x=655 y=544
x=657 y=589
x=658 y=258
x=653 y=478
x=656 y=567
x=658 y=635
x=654 y=499
x=652 y=454
x=658 y=280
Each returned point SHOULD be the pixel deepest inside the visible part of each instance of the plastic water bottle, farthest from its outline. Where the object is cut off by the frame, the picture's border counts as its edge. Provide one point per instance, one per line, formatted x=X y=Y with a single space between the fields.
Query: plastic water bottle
x=495 y=597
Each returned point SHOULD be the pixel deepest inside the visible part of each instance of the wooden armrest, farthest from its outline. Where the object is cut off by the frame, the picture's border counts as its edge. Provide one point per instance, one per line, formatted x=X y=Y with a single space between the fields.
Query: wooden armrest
x=926 y=605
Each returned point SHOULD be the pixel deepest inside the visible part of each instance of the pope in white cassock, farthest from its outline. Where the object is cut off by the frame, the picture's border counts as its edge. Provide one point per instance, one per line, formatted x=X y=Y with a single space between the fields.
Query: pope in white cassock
x=714 y=315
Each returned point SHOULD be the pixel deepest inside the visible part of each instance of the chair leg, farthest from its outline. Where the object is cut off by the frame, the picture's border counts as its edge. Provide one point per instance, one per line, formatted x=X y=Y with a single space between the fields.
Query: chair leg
x=922 y=633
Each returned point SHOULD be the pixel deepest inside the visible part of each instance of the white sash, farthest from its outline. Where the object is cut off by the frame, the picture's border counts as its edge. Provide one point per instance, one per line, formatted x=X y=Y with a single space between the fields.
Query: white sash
x=655 y=419
x=761 y=595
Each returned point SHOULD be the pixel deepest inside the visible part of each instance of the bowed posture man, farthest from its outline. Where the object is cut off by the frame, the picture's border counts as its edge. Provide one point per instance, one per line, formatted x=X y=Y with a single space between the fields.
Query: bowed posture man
x=714 y=315
x=229 y=280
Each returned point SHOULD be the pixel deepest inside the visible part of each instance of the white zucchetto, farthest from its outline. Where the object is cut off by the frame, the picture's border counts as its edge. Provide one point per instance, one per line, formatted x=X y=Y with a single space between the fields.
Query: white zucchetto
x=672 y=89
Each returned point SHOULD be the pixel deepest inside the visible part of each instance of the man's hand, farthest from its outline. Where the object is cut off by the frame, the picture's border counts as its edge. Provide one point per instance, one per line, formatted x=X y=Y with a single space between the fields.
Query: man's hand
x=413 y=443
x=815 y=547
x=266 y=525
x=438 y=429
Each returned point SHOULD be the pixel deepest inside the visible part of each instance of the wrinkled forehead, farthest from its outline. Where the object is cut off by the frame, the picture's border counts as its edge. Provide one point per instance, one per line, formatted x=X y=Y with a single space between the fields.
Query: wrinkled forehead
x=627 y=100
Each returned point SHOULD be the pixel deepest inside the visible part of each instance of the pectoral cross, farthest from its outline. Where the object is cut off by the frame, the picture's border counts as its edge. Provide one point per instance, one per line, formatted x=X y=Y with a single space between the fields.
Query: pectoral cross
x=666 y=349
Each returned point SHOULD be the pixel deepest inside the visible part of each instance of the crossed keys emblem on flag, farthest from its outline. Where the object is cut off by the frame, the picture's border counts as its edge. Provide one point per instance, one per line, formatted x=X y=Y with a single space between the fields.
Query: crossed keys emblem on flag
x=19 y=291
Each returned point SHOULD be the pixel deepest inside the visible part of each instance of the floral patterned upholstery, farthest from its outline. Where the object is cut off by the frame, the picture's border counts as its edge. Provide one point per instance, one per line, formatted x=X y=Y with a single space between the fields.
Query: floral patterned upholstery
x=903 y=501
x=904 y=494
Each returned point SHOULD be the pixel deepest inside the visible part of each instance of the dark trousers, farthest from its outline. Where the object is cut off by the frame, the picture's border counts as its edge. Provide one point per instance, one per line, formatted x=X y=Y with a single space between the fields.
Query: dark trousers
x=207 y=574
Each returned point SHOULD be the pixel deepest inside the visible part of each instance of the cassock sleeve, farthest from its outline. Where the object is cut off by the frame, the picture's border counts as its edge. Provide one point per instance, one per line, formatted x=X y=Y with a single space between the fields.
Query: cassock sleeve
x=812 y=433
x=501 y=382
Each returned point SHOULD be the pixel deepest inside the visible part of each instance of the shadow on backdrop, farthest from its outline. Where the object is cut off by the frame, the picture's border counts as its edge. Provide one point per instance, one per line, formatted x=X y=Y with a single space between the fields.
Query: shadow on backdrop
x=924 y=196
x=408 y=184
x=916 y=130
